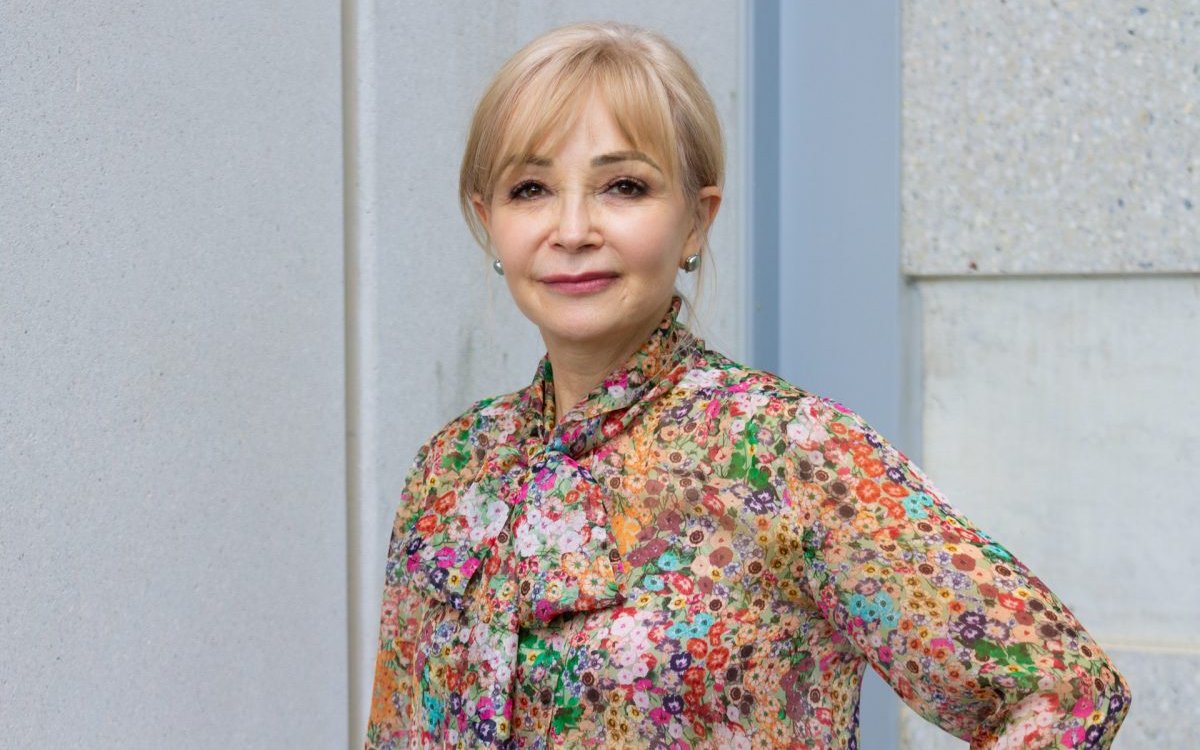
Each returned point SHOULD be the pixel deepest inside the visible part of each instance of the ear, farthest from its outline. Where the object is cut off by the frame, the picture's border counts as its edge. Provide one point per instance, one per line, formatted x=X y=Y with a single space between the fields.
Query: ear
x=481 y=210
x=708 y=202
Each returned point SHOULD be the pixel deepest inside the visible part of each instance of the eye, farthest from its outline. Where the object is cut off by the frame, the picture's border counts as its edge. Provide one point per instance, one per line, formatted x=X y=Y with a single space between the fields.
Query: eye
x=526 y=190
x=627 y=187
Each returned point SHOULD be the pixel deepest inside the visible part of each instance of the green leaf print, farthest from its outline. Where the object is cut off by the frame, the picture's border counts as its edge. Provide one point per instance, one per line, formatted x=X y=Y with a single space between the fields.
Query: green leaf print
x=567 y=716
x=457 y=458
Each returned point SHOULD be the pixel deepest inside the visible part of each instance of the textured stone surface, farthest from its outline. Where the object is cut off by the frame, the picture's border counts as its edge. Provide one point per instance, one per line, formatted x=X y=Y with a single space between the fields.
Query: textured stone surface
x=1051 y=137
x=1166 y=689
x=172 y=478
x=1060 y=415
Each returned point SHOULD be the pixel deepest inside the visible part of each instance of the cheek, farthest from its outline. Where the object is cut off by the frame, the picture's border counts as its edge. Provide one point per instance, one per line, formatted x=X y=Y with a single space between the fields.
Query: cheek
x=652 y=247
x=512 y=243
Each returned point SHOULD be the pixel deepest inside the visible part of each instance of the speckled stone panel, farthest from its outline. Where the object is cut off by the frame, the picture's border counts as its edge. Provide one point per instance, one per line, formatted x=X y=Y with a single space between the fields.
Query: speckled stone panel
x=1061 y=416
x=1051 y=137
x=1166 y=690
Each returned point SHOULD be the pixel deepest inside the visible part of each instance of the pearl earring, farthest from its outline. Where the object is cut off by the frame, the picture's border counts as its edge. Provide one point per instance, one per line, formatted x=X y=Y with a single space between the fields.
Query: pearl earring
x=692 y=262
x=499 y=269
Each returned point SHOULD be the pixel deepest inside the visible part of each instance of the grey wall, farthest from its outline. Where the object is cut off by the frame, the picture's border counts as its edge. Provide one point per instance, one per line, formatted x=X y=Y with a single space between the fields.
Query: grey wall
x=1050 y=227
x=171 y=376
x=235 y=295
x=993 y=256
x=206 y=420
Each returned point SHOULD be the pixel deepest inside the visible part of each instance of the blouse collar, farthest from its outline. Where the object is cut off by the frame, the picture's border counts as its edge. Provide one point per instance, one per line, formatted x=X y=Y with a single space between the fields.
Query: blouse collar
x=639 y=380
x=488 y=539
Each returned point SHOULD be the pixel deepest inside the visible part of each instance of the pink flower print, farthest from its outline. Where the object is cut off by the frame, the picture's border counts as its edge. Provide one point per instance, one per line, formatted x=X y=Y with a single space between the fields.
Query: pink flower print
x=1073 y=736
x=445 y=557
x=714 y=408
x=544 y=479
x=1083 y=707
x=485 y=708
x=470 y=566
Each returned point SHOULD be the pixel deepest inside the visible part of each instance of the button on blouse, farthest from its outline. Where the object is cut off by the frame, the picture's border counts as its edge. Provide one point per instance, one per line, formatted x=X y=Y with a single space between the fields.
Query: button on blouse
x=698 y=555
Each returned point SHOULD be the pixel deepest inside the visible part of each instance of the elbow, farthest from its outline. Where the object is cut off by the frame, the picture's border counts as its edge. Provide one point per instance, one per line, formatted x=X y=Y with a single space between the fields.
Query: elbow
x=1099 y=699
x=1111 y=701
x=1081 y=709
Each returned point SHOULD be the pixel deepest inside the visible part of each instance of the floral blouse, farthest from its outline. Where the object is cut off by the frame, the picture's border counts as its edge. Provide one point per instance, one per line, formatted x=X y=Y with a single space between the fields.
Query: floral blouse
x=701 y=555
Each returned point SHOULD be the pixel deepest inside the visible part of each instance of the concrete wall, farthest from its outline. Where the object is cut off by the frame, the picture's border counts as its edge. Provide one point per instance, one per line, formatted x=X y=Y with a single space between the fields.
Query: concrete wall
x=235 y=295
x=1050 y=230
x=172 y=531
x=198 y=400
x=182 y=353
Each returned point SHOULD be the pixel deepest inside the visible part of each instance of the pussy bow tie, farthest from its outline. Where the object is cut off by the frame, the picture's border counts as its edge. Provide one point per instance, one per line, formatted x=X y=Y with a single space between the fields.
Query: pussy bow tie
x=529 y=538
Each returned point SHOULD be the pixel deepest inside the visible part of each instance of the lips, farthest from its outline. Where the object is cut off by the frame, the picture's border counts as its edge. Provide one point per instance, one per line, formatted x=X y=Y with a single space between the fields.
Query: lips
x=580 y=283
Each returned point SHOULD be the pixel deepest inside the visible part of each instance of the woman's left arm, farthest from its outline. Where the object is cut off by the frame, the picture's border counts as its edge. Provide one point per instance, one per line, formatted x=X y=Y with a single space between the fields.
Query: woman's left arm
x=957 y=625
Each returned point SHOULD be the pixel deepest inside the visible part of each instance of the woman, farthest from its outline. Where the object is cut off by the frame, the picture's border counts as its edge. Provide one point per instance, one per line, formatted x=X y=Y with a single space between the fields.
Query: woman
x=652 y=545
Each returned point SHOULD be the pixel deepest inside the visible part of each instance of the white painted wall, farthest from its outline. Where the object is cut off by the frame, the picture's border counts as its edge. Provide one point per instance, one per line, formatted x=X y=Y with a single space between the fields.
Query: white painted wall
x=172 y=532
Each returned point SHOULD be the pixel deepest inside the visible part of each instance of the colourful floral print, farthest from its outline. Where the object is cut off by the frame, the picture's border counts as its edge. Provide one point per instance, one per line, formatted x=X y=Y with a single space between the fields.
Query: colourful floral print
x=701 y=555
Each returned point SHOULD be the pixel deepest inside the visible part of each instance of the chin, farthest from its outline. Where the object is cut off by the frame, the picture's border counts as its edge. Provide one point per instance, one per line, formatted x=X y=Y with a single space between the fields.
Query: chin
x=582 y=327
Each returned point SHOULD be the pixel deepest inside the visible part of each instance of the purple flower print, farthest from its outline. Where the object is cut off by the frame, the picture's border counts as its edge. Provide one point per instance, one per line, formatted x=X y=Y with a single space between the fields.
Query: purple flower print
x=680 y=661
x=673 y=704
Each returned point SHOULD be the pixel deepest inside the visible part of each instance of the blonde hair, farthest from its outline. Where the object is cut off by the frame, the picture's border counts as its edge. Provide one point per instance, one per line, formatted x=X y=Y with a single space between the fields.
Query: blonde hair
x=654 y=94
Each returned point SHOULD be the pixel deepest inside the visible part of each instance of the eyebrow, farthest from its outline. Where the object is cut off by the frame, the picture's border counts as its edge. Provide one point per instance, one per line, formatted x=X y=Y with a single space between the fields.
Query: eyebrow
x=600 y=161
x=619 y=156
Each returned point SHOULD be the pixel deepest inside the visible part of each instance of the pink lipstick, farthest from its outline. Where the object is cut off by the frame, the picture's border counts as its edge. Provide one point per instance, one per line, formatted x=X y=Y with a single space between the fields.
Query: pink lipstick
x=580 y=283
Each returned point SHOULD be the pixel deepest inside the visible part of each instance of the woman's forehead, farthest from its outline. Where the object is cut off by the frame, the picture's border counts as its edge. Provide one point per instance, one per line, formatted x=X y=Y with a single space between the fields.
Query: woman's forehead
x=613 y=147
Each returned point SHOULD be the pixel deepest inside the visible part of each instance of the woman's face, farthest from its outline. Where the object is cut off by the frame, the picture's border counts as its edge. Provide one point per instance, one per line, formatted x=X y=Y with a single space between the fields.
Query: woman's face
x=592 y=235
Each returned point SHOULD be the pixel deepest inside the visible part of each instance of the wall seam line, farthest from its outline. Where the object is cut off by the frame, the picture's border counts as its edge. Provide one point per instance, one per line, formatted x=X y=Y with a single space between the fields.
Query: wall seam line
x=360 y=327
x=1049 y=275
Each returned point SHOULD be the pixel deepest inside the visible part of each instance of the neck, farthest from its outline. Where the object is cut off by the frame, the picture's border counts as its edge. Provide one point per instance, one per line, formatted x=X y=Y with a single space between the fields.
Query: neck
x=580 y=366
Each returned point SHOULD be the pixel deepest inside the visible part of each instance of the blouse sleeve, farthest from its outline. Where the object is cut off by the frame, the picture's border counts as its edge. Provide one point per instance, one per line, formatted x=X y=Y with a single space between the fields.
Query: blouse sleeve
x=969 y=637
x=391 y=708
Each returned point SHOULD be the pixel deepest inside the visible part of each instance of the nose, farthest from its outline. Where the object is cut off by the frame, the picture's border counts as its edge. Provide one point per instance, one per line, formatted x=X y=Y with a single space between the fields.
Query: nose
x=576 y=228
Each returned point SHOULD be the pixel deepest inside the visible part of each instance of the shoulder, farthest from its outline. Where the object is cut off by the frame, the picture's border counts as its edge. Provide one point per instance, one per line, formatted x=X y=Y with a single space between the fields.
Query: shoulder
x=757 y=394
x=465 y=438
x=735 y=396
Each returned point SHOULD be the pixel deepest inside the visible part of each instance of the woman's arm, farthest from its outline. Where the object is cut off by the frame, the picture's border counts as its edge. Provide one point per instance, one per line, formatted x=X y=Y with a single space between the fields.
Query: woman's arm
x=391 y=695
x=961 y=629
